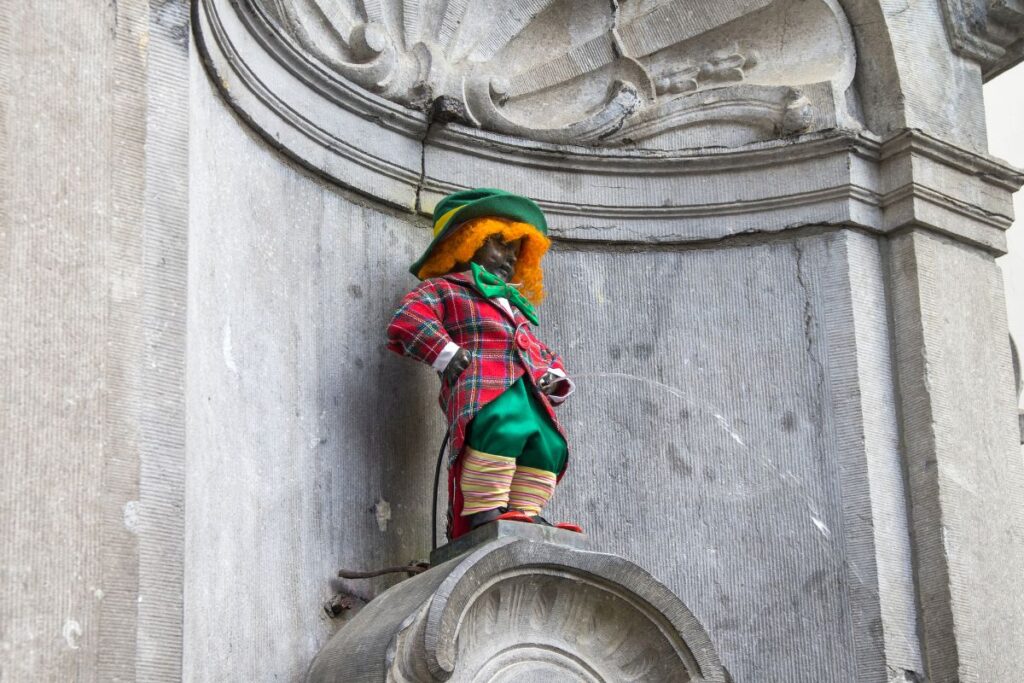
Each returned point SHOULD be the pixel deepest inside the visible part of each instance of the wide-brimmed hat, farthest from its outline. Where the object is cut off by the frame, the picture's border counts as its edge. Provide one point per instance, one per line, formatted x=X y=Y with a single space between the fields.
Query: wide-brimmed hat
x=461 y=206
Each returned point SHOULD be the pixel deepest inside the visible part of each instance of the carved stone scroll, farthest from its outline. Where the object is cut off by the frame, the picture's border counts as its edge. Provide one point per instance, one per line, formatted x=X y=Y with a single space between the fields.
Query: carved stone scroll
x=584 y=73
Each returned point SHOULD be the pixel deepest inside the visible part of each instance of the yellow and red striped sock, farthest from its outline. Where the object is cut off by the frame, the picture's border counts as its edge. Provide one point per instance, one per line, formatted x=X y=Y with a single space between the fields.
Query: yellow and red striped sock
x=485 y=481
x=531 y=490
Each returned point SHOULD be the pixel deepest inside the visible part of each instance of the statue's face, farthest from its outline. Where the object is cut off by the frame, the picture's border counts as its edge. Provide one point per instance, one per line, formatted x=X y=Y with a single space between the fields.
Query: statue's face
x=498 y=256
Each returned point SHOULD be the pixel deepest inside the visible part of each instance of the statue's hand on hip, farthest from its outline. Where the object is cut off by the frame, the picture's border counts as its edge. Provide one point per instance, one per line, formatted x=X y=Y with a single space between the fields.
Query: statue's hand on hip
x=457 y=365
x=548 y=383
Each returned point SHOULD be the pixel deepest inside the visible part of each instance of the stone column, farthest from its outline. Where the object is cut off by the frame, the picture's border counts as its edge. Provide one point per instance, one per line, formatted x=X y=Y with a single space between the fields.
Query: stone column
x=963 y=463
x=93 y=136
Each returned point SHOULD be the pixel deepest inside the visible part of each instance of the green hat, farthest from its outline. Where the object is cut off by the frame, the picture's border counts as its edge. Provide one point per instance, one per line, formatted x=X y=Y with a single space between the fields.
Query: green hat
x=459 y=207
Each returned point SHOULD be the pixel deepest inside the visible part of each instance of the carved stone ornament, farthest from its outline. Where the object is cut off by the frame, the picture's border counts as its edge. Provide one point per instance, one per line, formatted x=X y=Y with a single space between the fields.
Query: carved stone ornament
x=594 y=73
x=991 y=32
x=663 y=121
x=523 y=611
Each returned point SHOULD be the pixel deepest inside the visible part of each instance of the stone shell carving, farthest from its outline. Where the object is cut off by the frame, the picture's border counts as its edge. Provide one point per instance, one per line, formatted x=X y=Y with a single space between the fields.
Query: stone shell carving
x=516 y=610
x=591 y=73
x=687 y=142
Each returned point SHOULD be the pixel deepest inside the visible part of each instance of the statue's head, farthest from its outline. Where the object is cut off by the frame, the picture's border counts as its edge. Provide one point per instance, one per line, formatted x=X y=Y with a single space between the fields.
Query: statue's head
x=503 y=232
x=498 y=255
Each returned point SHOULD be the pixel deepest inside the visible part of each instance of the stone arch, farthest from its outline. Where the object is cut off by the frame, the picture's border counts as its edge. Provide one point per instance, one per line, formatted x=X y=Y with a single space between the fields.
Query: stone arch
x=877 y=79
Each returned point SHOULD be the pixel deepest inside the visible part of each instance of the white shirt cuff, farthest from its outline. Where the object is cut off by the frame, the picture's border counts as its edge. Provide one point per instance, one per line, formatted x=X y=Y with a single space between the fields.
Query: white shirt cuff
x=445 y=357
x=571 y=386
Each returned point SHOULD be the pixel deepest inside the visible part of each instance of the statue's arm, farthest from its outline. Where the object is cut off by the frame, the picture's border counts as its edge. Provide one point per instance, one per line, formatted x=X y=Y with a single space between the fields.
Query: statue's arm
x=556 y=382
x=417 y=327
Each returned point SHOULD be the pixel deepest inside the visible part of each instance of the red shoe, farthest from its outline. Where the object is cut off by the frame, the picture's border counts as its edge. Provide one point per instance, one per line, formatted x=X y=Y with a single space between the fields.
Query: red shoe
x=568 y=526
x=516 y=516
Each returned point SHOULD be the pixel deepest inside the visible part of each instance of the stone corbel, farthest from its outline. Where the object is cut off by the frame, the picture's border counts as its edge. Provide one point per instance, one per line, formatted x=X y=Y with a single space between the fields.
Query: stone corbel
x=523 y=607
x=989 y=32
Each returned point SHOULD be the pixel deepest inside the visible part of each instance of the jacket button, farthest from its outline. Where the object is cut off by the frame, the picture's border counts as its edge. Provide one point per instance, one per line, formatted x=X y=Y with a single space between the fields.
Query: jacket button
x=522 y=341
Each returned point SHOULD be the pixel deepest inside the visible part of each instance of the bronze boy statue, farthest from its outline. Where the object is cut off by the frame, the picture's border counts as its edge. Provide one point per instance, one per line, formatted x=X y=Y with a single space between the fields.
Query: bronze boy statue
x=470 y=320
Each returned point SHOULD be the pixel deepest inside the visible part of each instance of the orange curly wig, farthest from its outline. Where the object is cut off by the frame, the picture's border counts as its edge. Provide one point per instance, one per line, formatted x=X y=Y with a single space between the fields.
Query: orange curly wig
x=470 y=236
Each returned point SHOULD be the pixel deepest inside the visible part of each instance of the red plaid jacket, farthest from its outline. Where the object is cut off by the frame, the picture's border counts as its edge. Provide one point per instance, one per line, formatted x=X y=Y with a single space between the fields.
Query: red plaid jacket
x=451 y=309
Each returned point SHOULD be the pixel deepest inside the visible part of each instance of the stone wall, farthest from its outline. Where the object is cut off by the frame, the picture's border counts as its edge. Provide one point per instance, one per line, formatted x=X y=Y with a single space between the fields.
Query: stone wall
x=93 y=140
x=794 y=404
x=739 y=433
x=310 y=446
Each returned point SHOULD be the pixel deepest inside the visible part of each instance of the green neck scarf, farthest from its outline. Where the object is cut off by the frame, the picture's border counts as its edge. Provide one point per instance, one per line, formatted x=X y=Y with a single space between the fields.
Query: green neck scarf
x=492 y=286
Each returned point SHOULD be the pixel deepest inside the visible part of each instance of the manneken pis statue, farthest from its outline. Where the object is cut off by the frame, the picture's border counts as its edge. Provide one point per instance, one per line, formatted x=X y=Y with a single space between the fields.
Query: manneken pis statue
x=470 y=320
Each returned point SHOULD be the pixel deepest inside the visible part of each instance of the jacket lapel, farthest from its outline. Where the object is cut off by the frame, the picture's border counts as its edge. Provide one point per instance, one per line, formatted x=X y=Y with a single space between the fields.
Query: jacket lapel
x=466 y=280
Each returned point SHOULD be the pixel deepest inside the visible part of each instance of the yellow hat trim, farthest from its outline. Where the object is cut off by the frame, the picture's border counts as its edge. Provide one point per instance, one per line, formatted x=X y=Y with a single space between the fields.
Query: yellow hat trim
x=443 y=220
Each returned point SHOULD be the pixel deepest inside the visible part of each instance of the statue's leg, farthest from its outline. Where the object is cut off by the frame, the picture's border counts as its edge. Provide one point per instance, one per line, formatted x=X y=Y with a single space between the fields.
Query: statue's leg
x=494 y=439
x=537 y=468
x=485 y=482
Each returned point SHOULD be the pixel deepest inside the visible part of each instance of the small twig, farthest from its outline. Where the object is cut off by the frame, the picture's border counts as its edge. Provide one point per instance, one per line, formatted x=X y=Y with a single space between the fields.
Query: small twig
x=410 y=569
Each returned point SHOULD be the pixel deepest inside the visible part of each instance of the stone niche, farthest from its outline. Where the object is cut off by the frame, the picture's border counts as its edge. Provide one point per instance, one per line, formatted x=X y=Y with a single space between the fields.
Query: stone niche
x=774 y=382
x=661 y=75
x=662 y=121
x=537 y=92
x=522 y=604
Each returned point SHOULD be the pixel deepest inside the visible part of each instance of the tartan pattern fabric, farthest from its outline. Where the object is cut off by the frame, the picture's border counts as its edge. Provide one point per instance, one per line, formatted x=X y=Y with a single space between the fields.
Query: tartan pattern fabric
x=450 y=309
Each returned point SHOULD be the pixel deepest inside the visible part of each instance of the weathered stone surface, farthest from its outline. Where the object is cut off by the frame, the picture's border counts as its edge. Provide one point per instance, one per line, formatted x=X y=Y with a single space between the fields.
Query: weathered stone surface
x=836 y=504
x=306 y=453
x=963 y=462
x=93 y=143
x=514 y=609
x=753 y=394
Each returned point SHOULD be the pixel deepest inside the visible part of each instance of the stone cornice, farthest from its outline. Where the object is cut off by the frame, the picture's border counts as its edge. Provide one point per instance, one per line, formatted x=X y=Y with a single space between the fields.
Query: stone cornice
x=396 y=156
x=928 y=183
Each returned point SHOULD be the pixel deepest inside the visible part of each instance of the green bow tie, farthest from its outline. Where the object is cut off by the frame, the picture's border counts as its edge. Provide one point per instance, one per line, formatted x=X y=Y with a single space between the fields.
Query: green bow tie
x=492 y=286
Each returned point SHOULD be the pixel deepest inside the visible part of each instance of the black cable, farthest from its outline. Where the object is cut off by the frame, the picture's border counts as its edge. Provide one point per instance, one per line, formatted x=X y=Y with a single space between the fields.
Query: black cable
x=437 y=481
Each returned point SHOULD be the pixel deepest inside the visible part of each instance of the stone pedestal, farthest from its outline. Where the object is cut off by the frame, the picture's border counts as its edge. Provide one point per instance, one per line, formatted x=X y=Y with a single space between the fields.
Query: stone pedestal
x=517 y=603
x=772 y=277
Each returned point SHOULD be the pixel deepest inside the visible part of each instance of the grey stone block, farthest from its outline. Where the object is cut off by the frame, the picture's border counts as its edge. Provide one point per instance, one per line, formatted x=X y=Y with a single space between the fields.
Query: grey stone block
x=519 y=609
x=965 y=473
x=502 y=529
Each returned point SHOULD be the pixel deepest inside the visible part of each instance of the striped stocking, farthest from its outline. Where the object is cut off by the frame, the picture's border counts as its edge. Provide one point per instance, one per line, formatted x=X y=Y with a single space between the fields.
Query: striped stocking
x=485 y=481
x=531 y=490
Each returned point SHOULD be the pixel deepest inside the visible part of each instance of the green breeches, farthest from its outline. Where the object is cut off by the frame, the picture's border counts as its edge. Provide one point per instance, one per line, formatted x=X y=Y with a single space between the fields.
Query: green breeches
x=517 y=425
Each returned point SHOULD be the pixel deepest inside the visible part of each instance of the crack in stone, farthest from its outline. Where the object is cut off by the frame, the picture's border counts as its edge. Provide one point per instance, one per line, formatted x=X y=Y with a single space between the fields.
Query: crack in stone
x=808 y=323
x=617 y=126
x=625 y=239
x=615 y=26
x=423 y=166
